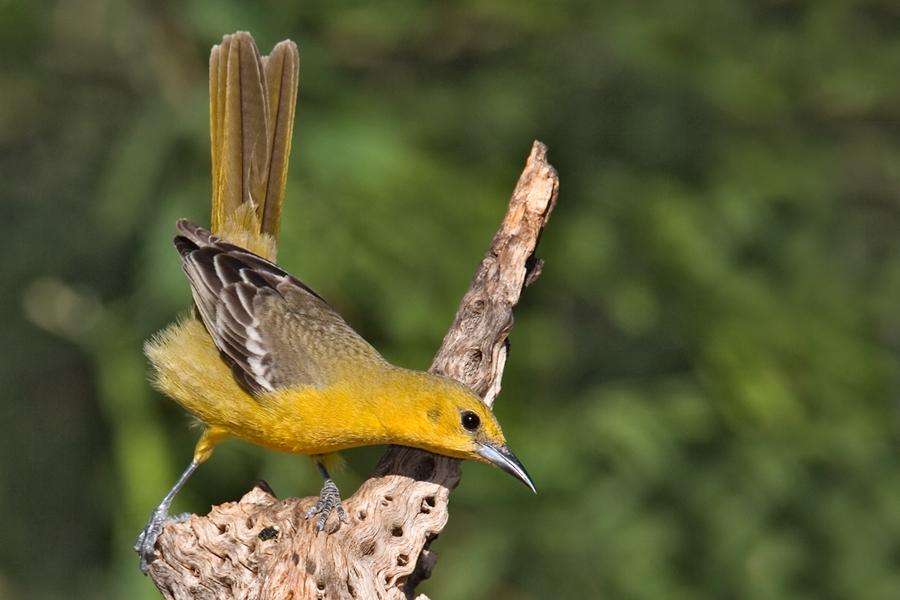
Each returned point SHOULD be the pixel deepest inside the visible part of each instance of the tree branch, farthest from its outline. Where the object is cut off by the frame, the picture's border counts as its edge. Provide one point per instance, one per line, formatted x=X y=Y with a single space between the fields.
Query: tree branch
x=263 y=548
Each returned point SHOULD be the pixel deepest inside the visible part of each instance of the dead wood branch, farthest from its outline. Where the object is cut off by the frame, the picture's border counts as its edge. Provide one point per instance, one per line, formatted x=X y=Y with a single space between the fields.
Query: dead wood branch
x=263 y=548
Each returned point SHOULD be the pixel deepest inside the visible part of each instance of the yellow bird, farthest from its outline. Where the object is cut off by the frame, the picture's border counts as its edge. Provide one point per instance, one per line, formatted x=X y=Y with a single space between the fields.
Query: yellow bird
x=263 y=357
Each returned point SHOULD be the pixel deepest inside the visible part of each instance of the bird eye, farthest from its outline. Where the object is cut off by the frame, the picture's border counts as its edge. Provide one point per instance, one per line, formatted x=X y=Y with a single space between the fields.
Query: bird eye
x=470 y=420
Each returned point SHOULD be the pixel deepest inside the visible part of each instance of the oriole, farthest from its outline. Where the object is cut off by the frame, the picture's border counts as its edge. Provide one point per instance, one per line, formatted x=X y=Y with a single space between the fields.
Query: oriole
x=263 y=357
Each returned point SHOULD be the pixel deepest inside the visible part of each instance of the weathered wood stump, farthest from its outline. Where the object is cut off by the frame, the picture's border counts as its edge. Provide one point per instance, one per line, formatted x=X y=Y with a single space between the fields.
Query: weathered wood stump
x=263 y=548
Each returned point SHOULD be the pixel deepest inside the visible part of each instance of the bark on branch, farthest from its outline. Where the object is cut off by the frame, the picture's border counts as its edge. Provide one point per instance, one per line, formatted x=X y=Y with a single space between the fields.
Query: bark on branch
x=263 y=548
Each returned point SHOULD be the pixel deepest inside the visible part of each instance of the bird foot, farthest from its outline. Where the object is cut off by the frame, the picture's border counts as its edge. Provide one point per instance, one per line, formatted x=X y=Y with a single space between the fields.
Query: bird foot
x=329 y=499
x=145 y=545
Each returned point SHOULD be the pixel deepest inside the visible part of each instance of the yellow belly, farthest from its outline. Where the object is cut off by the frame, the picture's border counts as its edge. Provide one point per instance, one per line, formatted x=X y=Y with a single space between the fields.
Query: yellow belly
x=189 y=369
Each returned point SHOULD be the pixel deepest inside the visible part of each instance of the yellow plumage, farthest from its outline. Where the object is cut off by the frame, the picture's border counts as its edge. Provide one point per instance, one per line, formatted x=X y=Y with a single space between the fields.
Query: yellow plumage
x=262 y=357
x=373 y=402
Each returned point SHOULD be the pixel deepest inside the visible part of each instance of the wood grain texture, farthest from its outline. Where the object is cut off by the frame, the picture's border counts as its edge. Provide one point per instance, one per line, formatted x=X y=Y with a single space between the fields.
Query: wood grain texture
x=263 y=548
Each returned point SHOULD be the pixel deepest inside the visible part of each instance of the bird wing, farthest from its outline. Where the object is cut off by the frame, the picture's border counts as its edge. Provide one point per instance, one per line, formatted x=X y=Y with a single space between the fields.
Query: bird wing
x=272 y=329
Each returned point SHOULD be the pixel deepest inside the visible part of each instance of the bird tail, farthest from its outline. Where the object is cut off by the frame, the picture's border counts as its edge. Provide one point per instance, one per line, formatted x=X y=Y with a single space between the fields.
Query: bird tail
x=251 y=118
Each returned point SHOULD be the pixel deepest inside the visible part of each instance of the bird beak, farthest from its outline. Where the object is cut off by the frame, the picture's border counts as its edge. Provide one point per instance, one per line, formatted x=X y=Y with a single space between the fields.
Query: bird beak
x=506 y=460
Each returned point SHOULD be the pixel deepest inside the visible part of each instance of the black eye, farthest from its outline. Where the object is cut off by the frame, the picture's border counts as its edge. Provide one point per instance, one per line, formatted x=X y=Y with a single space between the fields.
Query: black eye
x=470 y=421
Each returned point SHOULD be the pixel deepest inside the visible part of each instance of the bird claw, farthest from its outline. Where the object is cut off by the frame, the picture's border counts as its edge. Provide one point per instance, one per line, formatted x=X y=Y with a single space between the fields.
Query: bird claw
x=329 y=499
x=145 y=545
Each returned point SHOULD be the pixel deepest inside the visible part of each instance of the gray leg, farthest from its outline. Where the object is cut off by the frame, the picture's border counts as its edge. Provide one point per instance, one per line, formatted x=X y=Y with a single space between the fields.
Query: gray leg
x=159 y=518
x=329 y=499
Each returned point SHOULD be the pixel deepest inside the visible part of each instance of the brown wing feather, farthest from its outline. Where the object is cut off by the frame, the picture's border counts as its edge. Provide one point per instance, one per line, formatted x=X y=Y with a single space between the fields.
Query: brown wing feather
x=273 y=330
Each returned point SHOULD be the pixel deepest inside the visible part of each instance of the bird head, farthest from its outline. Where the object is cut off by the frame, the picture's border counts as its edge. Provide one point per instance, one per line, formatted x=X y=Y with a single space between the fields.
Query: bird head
x=457 y=423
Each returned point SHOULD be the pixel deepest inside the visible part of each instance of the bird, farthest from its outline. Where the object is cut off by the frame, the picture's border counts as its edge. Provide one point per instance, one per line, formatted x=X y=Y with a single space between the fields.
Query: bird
x=264 y=358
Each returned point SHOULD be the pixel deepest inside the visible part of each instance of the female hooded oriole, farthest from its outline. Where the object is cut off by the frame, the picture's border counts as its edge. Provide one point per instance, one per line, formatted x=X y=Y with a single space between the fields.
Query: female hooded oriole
x=263 y=357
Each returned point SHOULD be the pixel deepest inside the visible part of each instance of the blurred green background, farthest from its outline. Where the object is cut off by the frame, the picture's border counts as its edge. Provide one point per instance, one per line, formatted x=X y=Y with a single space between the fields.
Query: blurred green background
x=703 y=383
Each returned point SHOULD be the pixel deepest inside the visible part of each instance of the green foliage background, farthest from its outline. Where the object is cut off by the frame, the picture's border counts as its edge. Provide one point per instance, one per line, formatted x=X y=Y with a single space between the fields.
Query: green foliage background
x=703 y=383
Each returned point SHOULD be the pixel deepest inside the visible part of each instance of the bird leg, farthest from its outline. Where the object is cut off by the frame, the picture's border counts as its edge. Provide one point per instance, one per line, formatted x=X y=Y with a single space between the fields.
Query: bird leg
x=159 y=518
x=329 y=499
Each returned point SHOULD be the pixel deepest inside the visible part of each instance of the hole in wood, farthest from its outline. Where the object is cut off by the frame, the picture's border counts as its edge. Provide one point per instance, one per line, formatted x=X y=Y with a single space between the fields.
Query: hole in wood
x=473 y=359
x=426 y=505
x=397 y=531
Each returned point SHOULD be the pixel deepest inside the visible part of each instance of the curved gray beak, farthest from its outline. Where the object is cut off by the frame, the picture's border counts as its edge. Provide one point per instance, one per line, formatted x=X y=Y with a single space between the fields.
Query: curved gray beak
x=506 y=460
